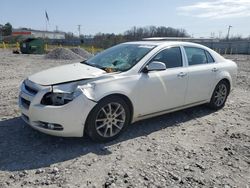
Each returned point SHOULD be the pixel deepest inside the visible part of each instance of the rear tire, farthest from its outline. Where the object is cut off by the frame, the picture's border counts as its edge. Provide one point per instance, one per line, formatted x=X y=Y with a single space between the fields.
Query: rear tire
x=219 y=96
x=108 y=119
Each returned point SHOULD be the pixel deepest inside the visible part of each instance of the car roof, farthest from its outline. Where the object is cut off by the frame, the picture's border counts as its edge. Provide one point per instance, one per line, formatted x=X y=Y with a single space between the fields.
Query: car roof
x=162 y=44
x=166 y=43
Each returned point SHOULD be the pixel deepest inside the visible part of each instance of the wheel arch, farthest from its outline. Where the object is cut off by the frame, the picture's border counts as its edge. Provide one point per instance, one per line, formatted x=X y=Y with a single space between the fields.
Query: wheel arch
x=126 y=99
x=224 y=75
x=122 y=96
x=226 y=79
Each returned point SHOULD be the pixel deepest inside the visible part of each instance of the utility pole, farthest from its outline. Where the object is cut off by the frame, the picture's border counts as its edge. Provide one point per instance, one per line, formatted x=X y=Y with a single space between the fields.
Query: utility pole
x=220 y=34
x=212 y=35
x=228 y=32
x=79 y=30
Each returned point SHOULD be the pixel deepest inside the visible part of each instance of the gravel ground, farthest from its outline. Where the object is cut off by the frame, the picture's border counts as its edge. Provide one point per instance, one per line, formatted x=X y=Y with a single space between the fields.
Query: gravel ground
x=196 y=147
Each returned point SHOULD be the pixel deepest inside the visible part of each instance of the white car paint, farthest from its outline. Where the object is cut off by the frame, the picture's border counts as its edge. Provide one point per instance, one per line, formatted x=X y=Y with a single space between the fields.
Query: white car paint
x=151 y=94
x=155 y=86
x=200 y=76
x=65 y=73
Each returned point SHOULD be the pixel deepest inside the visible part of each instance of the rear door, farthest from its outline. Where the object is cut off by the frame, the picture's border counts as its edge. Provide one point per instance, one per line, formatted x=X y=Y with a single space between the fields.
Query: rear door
x=201 y=75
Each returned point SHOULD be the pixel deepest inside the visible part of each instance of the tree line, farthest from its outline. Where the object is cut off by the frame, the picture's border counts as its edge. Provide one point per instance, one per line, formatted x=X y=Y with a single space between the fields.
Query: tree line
x=104 y=40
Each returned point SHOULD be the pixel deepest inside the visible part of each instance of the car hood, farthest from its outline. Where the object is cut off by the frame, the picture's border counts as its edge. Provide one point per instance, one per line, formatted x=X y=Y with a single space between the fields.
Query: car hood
x=65 y=73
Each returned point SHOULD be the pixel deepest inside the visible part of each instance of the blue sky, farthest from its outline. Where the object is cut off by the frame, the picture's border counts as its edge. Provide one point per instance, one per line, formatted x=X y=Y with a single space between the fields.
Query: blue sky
x=200 y=18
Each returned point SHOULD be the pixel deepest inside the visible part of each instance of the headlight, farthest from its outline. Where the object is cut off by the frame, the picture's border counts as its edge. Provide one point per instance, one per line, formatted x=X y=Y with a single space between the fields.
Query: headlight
x=58 y=99
x=62 y=94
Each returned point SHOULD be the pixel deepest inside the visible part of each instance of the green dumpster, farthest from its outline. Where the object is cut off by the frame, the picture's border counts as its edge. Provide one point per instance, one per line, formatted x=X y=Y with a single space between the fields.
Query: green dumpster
x=32 y=46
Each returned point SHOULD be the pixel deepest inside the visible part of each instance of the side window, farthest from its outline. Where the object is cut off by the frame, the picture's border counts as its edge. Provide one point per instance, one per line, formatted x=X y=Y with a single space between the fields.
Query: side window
x=196 y=56
x=172 y=57
x=210 y=59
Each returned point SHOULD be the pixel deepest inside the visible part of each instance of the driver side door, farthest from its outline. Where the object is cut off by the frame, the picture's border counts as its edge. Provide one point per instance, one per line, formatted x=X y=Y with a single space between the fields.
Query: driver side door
x=162 y=90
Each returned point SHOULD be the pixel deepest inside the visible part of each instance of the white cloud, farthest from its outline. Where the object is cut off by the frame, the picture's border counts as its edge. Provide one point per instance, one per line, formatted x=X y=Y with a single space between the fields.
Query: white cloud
x=217 y=9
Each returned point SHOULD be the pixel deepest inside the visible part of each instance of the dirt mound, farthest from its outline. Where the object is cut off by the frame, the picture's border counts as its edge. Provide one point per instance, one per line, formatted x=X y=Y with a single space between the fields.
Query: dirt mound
x=62 y=53
x=81 y=52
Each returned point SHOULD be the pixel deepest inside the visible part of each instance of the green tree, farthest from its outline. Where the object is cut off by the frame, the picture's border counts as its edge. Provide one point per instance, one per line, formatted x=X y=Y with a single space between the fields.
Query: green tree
x=7 y=29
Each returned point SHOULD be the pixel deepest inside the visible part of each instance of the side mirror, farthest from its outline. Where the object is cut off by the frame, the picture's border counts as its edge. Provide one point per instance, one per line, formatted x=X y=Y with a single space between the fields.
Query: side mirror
x=154 y=66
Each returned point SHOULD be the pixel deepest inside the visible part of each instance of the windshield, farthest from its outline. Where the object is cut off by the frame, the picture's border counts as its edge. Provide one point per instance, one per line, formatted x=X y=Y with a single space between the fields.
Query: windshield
x=119 y=58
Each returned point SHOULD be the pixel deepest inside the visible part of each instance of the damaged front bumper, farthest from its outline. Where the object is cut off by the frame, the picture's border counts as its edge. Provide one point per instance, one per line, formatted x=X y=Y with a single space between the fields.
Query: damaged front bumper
x=66 y=120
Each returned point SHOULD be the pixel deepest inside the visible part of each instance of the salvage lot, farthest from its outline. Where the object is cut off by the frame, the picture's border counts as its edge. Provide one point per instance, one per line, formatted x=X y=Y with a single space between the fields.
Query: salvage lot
x=193 y=147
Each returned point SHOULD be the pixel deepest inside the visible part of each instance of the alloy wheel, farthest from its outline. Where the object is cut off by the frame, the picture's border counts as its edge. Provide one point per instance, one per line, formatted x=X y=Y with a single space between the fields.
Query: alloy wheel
x=220 y=95
x=110 y=119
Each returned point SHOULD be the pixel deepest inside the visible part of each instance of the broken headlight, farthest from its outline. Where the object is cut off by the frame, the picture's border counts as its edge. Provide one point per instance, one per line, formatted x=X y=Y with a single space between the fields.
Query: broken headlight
x=58 y=99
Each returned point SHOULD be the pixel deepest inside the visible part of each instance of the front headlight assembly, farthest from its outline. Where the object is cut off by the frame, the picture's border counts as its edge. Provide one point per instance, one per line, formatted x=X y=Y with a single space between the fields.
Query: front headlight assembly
x=58 y=99
x=62 y=94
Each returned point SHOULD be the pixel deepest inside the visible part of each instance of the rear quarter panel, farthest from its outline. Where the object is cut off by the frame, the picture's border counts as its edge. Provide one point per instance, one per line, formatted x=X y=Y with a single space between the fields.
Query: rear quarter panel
x=227 y=70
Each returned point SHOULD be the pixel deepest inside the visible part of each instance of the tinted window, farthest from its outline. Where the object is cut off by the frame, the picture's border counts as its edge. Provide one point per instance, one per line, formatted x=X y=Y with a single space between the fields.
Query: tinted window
x=171 y=57
x=196 y=56
x=210 y=59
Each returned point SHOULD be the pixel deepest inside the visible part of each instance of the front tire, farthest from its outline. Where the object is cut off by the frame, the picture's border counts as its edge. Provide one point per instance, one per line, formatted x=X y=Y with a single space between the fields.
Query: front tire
x=108 y=119
x=219 y=96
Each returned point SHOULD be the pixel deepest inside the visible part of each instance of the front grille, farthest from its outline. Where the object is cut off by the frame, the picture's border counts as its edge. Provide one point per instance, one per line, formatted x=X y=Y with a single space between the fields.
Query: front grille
x=25 y=103
x=30 y=90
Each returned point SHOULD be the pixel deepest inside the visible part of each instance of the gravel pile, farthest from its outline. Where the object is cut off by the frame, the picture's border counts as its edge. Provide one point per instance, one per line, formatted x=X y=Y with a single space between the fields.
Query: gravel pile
x=62 y=53
x=81 y=52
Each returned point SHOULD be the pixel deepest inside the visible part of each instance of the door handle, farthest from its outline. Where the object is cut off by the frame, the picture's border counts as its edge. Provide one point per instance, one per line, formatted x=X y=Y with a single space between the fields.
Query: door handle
x=181 y=74
x=214 y=69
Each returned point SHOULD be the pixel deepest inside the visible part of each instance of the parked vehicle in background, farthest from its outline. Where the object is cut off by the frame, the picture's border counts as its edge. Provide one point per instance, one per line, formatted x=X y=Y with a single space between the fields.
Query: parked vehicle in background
x=124 y=84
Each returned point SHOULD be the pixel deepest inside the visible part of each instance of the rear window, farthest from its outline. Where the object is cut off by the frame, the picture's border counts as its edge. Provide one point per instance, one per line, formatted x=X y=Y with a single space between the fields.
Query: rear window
x=196 y=56
x=210 y=59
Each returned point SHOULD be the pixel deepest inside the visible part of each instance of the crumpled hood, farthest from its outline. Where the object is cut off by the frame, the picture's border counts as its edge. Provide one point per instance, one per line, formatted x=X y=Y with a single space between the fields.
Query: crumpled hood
x=65 y=73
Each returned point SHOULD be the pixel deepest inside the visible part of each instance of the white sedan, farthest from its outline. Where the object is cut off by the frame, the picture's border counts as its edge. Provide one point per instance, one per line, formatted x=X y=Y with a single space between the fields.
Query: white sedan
x=123 y=84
